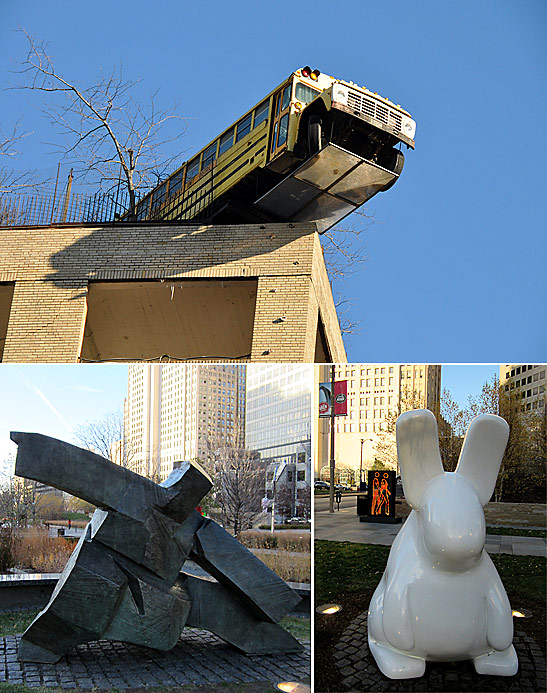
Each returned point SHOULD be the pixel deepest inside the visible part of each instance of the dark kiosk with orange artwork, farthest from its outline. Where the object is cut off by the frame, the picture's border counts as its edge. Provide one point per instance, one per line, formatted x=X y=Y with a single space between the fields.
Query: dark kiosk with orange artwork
x=379 y=504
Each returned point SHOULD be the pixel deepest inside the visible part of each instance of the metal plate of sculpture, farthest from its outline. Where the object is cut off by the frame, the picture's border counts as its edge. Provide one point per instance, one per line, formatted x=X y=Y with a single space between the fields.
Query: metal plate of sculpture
x=441 y=598
x=124 y=581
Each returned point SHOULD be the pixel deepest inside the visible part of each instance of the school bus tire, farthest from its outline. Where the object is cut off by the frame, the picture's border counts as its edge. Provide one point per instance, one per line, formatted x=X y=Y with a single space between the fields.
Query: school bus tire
x=393 y=162
x=315 y=127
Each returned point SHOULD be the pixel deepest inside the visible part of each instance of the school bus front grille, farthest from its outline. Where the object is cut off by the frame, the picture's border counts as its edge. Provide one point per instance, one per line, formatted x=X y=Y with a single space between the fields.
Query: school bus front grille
x=373 y=109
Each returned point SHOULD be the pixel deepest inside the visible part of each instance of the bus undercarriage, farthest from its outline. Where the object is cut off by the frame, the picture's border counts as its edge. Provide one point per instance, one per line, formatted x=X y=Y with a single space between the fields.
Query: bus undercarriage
x=338 y=163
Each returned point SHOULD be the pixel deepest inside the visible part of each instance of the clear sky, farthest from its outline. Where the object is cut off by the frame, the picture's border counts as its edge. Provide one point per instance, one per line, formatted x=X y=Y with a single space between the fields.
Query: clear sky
x=55 y=399
x=456 y=256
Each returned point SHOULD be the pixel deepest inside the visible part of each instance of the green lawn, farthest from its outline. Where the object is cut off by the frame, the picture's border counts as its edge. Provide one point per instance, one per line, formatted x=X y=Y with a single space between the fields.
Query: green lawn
x=16 y=622
x=347 y=567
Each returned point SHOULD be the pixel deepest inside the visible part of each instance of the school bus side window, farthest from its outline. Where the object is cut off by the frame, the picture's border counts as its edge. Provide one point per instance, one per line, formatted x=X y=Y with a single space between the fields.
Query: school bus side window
x=158 y=196
x=226 y=141
x=261 y=113
x=274 y=137
x=193 y=168
x=176 y=182
x=142 y=209
x=243 y=127
x=286 y=97
x=209 y=155
x=283 y=128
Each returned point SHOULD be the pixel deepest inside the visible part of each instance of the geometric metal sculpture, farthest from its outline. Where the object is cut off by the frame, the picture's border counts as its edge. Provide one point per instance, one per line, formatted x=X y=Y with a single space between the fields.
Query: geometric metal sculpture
x=124 y=581
x=441 y=598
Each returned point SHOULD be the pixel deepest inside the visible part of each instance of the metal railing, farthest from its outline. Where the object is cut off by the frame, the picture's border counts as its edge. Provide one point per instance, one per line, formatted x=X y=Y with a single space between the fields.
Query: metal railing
x=42 y=208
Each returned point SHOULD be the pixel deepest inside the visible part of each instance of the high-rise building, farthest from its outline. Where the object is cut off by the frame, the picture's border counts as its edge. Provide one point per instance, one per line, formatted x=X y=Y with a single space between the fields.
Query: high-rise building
x=278 y=426
x=529 y=381
x=179 y=412
x=373 y=391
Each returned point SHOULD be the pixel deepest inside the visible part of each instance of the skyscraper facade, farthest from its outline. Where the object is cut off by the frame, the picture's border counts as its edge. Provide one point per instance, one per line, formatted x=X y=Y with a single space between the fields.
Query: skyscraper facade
x=179 y=412
x=278 y=426
x=373 y=391
x=529 y=380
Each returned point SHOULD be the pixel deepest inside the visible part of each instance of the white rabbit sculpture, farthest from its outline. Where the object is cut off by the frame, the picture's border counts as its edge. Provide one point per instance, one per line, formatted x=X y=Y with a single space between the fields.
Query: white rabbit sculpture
x=441 y=598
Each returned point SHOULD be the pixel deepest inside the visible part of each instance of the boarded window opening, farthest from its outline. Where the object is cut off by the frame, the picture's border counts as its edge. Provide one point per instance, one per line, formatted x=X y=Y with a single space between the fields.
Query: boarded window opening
x=322 y=353
x=179 y=319
x=6 y=298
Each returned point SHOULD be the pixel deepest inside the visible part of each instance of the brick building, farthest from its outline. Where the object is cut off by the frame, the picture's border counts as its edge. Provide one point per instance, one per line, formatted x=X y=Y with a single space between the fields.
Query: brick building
x=166 y=291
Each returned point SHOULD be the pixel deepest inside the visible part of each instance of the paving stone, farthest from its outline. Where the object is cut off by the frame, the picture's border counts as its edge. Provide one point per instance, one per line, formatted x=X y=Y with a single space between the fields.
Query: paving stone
x=359 y=672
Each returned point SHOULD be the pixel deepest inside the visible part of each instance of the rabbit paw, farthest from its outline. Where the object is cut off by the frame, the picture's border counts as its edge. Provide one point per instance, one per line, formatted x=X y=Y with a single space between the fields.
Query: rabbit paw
x=498 y=663
x=395 y=664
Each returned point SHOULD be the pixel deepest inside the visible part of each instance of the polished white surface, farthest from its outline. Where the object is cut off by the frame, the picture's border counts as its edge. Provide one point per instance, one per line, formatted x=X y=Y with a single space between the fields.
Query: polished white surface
x=441 y=598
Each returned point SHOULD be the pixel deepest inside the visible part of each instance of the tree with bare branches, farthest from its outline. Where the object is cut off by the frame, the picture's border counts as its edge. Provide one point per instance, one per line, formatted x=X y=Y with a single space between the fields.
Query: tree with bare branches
x=239 y=478
x=105 y=436
x=108 y=135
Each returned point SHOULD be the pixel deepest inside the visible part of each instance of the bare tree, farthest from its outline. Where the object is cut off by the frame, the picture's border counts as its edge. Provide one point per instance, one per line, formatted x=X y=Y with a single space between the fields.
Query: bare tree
x=105 y=437
x=386 y=446
x=108 y=135
x=304 y=502
x=239 y=481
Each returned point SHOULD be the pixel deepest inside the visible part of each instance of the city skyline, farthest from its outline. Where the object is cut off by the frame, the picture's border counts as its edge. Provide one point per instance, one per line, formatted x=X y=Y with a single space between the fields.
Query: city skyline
x=55 y=399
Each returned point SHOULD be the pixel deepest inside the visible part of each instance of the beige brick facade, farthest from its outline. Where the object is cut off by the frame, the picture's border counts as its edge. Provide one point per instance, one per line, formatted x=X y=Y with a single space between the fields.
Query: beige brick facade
x=49 y=270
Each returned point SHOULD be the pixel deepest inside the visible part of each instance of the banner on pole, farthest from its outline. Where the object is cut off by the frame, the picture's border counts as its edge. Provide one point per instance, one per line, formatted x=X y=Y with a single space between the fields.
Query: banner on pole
x=340 y=398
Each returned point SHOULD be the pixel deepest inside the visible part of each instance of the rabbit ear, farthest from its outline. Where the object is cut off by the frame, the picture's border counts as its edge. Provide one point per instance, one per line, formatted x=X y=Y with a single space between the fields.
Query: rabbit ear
x=482 y=453
x=418 y=452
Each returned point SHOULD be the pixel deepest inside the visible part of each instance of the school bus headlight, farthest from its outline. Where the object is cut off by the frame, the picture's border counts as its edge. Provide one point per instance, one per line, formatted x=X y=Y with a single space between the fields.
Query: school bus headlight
x=408 y=127
x=340 y=94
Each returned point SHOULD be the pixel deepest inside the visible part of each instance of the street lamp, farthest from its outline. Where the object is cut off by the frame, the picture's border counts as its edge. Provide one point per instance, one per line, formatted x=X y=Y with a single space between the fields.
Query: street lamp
x=363 y=440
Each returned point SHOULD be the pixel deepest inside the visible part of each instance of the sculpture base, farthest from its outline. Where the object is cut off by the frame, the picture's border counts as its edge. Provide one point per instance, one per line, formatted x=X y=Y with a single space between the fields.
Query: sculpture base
x=381 y=518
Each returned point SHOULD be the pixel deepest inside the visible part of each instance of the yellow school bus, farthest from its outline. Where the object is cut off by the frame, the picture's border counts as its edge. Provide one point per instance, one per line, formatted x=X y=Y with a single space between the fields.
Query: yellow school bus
x=314 y=149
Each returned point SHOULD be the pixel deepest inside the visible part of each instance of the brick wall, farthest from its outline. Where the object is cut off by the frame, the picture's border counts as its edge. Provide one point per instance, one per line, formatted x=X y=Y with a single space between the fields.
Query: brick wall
x=52 y=267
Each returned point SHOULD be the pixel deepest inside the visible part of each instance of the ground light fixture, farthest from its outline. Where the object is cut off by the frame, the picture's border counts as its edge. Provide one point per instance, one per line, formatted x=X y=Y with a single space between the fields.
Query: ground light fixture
x=328 y=609
x=294 y=687
x=521 y=613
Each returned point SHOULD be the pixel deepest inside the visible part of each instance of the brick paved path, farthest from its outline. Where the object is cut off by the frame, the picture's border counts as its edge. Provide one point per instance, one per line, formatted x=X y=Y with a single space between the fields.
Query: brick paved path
x=198 y=658
x=358 y=670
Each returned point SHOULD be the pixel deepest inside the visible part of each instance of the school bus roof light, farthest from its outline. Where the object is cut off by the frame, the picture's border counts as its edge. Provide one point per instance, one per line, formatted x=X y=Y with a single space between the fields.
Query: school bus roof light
x=315 y=75
x=306 y=71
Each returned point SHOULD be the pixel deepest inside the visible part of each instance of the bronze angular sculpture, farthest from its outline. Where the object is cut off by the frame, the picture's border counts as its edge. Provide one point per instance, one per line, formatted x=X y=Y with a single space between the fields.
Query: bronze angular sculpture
x=124 y=580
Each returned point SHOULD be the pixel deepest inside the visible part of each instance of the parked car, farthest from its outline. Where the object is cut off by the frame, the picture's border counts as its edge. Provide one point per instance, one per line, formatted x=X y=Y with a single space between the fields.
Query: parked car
x=341 y=487
x=321 y=484
x=297 y=521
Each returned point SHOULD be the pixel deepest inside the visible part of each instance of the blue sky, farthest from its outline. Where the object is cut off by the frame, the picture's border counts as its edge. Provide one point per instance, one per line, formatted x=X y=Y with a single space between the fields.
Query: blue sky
x=55 y=399
x=455 y=268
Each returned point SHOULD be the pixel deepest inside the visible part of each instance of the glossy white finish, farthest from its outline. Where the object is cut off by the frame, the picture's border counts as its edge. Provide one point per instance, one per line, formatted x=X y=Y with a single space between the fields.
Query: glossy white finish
x=441 y=598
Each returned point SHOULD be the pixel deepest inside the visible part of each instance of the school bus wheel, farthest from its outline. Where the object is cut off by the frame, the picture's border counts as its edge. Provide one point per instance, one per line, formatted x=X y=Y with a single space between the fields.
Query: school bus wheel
x=315 y=128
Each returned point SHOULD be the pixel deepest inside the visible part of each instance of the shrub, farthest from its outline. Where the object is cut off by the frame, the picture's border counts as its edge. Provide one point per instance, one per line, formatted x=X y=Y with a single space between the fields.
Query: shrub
x=6 y=548
x=282 y=541
x=35 y=550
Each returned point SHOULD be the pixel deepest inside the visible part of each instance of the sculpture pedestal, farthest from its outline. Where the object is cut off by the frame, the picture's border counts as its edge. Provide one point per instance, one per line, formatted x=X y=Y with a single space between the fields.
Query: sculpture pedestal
x=381 y=519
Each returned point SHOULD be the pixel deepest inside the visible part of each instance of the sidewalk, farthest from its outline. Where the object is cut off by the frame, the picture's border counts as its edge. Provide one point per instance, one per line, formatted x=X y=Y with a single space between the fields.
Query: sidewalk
x=199 y=658
x=344 y=525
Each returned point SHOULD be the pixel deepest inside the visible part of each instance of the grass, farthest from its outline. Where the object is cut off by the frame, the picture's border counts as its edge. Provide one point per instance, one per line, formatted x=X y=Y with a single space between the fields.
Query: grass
x=347 y=567
x=300 y=628
x=16 y=622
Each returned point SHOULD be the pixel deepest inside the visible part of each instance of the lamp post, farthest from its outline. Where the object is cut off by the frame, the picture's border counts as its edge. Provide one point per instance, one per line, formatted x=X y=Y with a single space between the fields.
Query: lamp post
x=363 y=440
